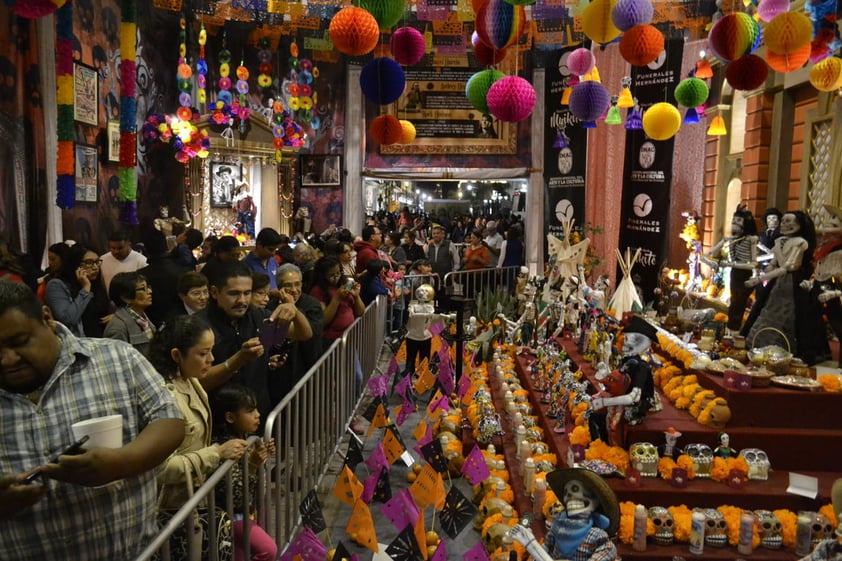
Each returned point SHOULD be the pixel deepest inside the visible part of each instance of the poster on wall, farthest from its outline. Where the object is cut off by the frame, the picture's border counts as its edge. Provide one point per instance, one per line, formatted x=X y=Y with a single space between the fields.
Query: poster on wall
x=444 y=119
x=224 y=178
x=325 y=206
x=87 y=171
x=565 y=152
x=647 y=173
x=323 y=171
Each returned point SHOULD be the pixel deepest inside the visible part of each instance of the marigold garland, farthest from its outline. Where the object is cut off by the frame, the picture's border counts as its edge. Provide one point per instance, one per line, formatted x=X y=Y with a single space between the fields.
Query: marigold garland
x=682 y=520
x=827 y=510
x=550 y=499
x=704 y=416
x=789 y=522
x=699 y=400
x=626 y=529
x=830 y=382
x=581 y=436
x=614 y=455
x=721 y=469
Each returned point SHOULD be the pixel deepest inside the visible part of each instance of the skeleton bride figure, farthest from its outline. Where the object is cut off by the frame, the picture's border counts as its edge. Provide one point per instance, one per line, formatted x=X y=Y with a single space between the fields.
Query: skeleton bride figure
x=583 y=530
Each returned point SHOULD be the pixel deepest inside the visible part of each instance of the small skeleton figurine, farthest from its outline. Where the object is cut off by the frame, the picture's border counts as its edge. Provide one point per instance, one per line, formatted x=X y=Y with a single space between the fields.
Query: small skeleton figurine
x=422 y=314
x=670 y=449
x=583 y=530
x=724 y=449
x=167 y=224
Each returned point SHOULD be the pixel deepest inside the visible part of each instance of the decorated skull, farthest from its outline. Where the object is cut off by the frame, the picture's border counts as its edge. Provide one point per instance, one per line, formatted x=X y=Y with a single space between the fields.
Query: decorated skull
x=716 y=529
x=769 y=529
x=662 y=520
x=644 y=457
x=489 y=427
x=579 y=499
x=489 y=507
x=758 y=463
x=820 y=528
x=702 y=457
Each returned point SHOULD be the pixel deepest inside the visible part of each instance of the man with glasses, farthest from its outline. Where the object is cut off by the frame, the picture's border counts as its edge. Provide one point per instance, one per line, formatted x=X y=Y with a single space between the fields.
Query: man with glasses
x=262 y=259
x=121 y=258
x=367 y=248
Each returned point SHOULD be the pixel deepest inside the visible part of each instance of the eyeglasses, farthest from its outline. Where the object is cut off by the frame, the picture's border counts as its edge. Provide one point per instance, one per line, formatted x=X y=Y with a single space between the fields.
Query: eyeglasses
x=143 y=289
x=91 y=262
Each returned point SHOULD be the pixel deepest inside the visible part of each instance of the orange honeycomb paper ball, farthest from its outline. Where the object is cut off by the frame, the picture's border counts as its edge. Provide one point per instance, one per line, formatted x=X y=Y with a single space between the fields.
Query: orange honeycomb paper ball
x=641 y=44
x=788 y=32
x=386 y=129
x=789 y=62
x=354 y=31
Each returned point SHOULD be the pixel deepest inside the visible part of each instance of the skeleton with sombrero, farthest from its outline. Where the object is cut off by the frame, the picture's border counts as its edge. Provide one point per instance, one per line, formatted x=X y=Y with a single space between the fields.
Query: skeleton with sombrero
x=583 y=530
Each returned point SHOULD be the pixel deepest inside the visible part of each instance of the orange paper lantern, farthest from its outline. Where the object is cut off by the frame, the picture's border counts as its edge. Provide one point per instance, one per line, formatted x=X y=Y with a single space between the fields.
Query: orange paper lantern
x=641 y=44
x=354 y=31
x=826 y=75
x=788 y=32
x=386 y=129
x=788 y=63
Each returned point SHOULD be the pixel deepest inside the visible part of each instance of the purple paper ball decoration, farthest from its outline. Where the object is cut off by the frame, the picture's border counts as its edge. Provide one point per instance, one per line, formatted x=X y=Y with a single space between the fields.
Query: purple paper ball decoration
x=628 y=13
x=511 y=99
x=589 y=100
x=768 y=9
x=382 y=81
x=407 y=45
x=581 y=61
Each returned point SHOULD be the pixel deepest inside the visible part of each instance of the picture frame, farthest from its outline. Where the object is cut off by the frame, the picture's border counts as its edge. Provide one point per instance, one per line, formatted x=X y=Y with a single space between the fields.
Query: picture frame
x=87 y=173
x=321 y=170
x=85 y=94
x=113 y=138
x=224 y=178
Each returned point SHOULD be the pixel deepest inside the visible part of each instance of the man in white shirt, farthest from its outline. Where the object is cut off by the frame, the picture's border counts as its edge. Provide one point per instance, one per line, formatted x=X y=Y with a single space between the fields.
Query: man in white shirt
x=493 y=240
x=121 y=258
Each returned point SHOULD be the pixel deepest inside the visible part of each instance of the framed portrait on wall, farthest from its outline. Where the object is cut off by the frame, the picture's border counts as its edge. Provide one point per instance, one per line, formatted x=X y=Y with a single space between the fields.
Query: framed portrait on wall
x=85 y=94
x=113 y=137
x=224 y=177
x=87 y=170
x=321 y=171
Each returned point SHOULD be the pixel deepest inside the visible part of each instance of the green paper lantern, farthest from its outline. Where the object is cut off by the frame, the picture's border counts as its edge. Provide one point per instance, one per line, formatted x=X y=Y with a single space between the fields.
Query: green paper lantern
x=386 y=12
x=691 y=92
x=477 y=88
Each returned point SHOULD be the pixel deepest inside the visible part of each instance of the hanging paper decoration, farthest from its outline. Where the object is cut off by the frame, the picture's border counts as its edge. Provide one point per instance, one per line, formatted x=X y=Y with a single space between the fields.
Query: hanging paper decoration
x=387 y=12
x=65 y=162
x=634 y=122
x=386 y=129
x=484 y=54
x=476 y=89
x=184 y=76
x=613 y=116
x=733 y=36
x=500 y=24
x=202 y=70
x=625 y=100
x=628 y=13
x=661 y=121
x=826 y=32
x=408 y=46
x=641 y=44
x=581 y=61
x=588 y=101
x=691 y=92
x=382 y=81
x=408 y=132
x=597 y=24
x=33 y=9
x=790 y=62
x=826 y=75
x=747 y=73
x=240 y=107
x=511 y=99
x=354 y=31
x=264 y=57
x=788 y=32
x=768 y=9
x=127 y=176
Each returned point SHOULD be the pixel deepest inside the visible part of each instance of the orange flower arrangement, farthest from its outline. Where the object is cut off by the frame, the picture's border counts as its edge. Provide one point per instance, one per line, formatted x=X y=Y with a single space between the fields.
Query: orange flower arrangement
x=721 y=469
x=827 y=510
x=507 y=495
x=581 y=435
x=699 y=400
x=578 y=414
x=667 y=464
x=626 y=530
x=685 y=462
x=789 y=521
x=615 y=455
x=704 y=416
x=678 y=390
x=665 y=374
x=688 y=391
x=732 y=516
x=681 y=516
x=830 y=383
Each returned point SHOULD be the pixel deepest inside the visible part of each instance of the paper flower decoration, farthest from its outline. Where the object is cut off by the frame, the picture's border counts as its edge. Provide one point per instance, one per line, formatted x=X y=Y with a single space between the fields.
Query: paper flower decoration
x=407 y=46
x=581 y=61
x=826 y=75
x=733 y=36
x=386 y=12
x=661 y=121
x=488 y=55
x=597 y=23
x=641 y=44
x=691 y=92
x=354 y=31
x=788 y=32
x=511 y=99
x=382 y=81
x=589 y=100
x=768 y=9
x=386 y=129
x=788 y=63
x=499 y=24
x=628 y=13
x=33 y=9
x=747 y=73
x=408 y=132
x=476 y=90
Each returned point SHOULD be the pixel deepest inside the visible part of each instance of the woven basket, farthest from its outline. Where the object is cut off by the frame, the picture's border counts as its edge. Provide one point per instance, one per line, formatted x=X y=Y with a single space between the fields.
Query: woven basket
x=777 y=365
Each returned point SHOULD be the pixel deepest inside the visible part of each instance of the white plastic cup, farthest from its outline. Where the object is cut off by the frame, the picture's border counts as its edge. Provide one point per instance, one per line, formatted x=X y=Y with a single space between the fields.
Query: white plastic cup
x=104 y=432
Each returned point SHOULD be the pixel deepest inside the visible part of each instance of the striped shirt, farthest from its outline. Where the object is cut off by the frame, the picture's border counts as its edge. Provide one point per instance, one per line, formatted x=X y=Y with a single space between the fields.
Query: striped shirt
x=91 y=378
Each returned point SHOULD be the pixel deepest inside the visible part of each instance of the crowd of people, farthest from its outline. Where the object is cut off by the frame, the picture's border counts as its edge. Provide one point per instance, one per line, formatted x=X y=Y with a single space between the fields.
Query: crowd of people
x=214 y=338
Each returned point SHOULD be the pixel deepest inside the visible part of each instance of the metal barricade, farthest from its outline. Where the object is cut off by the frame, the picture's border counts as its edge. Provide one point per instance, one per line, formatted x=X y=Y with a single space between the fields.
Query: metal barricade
x=469 y=284
x=308 y=426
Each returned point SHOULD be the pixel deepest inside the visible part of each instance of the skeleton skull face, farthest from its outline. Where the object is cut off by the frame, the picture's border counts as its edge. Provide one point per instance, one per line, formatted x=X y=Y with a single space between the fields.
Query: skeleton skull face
x=820 y=528
x=702 y=457
x=579 y=499
x=644 y=457
x=769 y=528
x=424 y=293
x=635 y=344
x=758 y=463
x=789 y=224
x=489 y=507
x=662 y=520
x=716 y=529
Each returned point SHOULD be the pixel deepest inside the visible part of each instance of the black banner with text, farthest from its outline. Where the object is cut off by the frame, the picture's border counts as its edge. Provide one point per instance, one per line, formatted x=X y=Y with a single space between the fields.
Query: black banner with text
x=647 y=173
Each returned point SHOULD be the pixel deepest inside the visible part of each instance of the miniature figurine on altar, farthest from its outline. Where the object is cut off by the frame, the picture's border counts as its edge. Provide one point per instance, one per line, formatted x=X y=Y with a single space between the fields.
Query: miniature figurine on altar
x=739 y=252
x=766 y=238
x=826 y=286
x=583 y=530
x=422 y=314
x=168 y=224
x=243 y=204
x=670 y=449
x=629 y=391
x=693 y=241
x=724 y=449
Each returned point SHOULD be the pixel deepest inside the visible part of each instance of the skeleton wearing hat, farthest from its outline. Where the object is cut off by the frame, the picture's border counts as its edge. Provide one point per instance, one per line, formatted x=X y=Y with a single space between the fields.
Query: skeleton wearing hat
x=628 y=393
x=583 y=530
x=670 y=448
x=826 y=285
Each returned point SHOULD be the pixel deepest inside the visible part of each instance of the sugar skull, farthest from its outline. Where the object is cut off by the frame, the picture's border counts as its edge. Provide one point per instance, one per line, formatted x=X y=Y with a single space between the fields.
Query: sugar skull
x=758 y=463
x=820 y=528
x=662 y=520
x=716 y=528
x=644 y=457
x=702 y=457
x=769 y=529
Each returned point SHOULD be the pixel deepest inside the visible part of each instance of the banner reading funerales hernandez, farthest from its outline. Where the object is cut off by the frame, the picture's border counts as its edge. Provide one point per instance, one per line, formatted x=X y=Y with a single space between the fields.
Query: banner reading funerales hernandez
x=564 y=168
x=647 y=172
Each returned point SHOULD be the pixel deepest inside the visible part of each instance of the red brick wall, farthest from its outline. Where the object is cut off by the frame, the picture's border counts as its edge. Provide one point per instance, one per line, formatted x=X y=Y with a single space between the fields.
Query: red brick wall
x=805 y=100
x=758 y=139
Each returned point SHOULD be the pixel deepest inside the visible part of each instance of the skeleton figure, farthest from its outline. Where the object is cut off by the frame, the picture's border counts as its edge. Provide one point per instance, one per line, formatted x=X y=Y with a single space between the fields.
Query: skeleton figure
x=644 y=458
x=758 y=463
x=770 y=529
x=716 y=528
x=826 y=286
x=662 y=520
x=702 y=457
x=820 y=528
x=583 y=529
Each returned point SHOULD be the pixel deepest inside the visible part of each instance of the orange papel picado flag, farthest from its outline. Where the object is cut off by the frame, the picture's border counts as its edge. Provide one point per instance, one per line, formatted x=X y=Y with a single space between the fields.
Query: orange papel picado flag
x=420 y=430
x=421 y=534
x=360 y=527
x=379 y=420
x=425 y=380
x=392 y=446
x=425 y=489
x=348 y=488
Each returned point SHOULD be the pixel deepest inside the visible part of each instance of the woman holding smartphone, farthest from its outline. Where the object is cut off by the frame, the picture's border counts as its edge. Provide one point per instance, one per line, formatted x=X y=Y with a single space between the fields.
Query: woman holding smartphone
x=339 y=295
